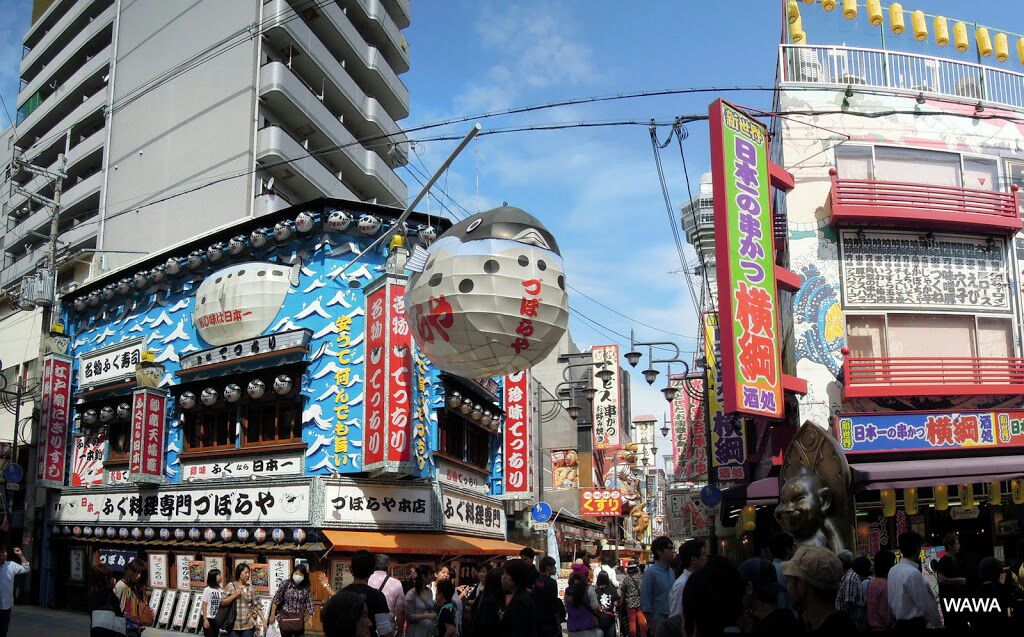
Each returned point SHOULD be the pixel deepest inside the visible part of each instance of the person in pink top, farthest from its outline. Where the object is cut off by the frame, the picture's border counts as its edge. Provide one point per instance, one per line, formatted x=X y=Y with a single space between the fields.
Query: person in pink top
x=880 y=616
x=382 y=581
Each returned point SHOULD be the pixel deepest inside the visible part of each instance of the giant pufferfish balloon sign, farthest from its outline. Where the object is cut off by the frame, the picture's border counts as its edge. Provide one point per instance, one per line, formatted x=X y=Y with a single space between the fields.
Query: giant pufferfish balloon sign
x=490 y=299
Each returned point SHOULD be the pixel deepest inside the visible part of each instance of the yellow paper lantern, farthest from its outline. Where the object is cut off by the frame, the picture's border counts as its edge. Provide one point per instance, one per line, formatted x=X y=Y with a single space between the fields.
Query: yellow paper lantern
x=874 y=8
x=966 y=493
x=888 y=498
x=828 y=5
x=960 y=37
x=919 y=24
x=1017 y=491
x=995 y=492
x=910 y=501
x=984 y=42
x=849 y=9
x=796 y=31
x=941 y=493
x=896 y=18
x=792 y=11
x=1002 y=47
x=941 y=30
x=748 y=518
x=1020 y=50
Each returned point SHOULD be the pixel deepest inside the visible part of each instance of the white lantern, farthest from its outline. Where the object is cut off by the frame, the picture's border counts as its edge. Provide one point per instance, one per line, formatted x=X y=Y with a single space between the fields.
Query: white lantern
x=304 y=222
x=149 y=533
x=491 y=300
x=467 y=406
x=485 y=420
x=256 y=389
x=195 y=259
x=111 y=532
x=124 y=411
x=106 y=414
x=242 y=535
x=158 y=273
x=259 y=536
x=454 y=399
x=165 y=534
x=282 y=385
x=368 y=224
x=237 y=245
x=260 y=237
x=124 y=286
x=140 y=280
x=108 y=291
x=232 y=393
x=282 y=231
x=90 y=417
x=93 y=298
x=299 y=536
x=226 y=535
x=209 y=535
x=428 y=234
x=187 y=400
x=79 y=304
x=55 y=531
x=179 y=534
x=173 y=266
x=77 y=531
x=339 y=220
x=216 y=252
x=87 y=531
x=122 y=533
x=208 y=397
x=477 y=412
x=194 y=534
x=277 y=535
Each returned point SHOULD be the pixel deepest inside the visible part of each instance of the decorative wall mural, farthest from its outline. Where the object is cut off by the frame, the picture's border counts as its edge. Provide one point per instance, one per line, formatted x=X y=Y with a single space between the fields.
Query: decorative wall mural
x=819 y=321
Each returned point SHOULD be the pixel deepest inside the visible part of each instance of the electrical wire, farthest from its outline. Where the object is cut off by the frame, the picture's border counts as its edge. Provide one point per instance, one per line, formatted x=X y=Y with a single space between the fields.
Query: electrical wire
x=681 y=134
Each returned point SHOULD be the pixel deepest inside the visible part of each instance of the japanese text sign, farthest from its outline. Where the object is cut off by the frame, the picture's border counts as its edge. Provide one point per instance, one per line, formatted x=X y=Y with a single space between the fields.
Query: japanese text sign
x=728 y=434
x=388 y=378
x=696 y=465
x=930 y=431
x=607 y=410
x=53 y=420
x=87 y=459
x=246 y=349
x=474 y=515
x=747 y=297
x=258 y=467
x=677 y=414
x=109 y=364
x=145 y=459
x=516 y=444
x=600 y=503
x=379 y=506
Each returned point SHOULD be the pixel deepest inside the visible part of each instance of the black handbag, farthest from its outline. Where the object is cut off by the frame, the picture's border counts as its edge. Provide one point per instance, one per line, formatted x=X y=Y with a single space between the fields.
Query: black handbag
x=225 y=619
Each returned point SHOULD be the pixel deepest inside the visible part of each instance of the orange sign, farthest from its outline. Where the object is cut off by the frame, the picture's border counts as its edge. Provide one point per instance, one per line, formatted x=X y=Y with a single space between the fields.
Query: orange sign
x=600 y=502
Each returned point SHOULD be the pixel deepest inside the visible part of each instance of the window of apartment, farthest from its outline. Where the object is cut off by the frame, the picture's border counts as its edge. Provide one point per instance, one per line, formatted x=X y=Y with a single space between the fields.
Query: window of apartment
x=272 y=421
x=119 y=440
x=209 y=428
x=854 y=162
x=463 y=440
x=916 y=335
x=917 y=165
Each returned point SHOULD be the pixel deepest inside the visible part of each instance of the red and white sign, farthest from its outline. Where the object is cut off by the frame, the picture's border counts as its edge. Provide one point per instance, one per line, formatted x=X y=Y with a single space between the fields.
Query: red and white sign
x=607 y=409
x=145 y=460
x=601 y=503
x=53 y=423
x=388 y=378
x=87 y=461
x=516 y=445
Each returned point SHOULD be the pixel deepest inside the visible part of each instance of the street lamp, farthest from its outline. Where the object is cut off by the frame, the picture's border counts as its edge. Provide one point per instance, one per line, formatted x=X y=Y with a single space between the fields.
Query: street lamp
x=664 y=425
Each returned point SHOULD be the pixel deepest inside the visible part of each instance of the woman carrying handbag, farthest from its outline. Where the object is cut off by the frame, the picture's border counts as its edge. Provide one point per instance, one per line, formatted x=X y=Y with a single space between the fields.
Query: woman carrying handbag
x=131 y=593
x=292 y=604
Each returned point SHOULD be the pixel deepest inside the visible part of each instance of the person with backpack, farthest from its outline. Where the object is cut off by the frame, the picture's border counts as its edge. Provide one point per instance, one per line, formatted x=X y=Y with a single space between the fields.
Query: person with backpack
x=581 y=604
x=209 y=602
x=608 y=601
x=292 y=604
x=444 y=624
x=392 y=589
x=131 y=593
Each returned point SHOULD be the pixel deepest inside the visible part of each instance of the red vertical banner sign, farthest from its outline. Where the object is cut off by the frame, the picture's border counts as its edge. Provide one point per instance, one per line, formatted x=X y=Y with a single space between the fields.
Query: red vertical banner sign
x=516 y=439
x=697 y=454
x=388 y=418
x=53 y=421
x=146 y=455
x=607 y=402
x=744 y=242
x=376 y=377
x=677 y=414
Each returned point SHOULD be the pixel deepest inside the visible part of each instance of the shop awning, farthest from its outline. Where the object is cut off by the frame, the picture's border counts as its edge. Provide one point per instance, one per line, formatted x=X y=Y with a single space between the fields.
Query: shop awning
x=764 y=491
x=930 y=472
x=419 y=543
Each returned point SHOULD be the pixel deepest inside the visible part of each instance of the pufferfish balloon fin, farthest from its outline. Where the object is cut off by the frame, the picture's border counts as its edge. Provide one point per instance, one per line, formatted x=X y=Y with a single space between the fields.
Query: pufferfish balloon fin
x=417 y=260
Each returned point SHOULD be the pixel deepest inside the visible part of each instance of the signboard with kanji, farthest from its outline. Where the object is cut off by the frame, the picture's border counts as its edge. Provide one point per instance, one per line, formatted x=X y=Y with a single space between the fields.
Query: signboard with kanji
x=53 y=421
x=516 y=445
x=475 y=515
x=110 y=364
x=694 y=466
x=728 y=433
x=747 y=296
x=145 y=459
x=600 y=502
x=930 y=431
x=607 y=409
x=677 y=414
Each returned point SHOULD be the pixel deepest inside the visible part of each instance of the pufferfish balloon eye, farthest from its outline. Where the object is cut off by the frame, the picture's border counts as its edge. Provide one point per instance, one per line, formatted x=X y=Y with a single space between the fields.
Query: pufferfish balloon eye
x=491 y=298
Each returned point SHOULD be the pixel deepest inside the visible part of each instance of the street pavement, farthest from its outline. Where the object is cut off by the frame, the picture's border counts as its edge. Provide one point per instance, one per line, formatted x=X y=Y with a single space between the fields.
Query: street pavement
x=34 y=621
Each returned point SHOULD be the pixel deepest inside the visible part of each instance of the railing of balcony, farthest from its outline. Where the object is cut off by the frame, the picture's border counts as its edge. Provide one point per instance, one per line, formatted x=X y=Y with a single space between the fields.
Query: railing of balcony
x=946 y=375
x=849 y=66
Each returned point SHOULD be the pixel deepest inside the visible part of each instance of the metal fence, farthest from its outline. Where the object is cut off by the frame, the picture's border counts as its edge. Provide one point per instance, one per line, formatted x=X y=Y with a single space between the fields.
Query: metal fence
x=847 y=66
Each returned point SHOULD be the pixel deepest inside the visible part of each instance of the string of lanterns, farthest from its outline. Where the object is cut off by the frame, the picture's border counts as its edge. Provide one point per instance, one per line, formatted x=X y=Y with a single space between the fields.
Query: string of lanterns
x=256 y=389
x=987 y=45
x=490 y=421
x=259 y=536
x=940 y=496
x=259 y=239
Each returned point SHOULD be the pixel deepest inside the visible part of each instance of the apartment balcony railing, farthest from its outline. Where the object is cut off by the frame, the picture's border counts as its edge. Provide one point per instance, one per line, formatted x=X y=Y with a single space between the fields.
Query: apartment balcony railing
x=875 y=68
x=894 y=203
x=881 y=377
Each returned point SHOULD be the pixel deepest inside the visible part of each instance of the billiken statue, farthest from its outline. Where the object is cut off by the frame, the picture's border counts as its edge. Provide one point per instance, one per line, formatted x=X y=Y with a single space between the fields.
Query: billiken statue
x=805 y=512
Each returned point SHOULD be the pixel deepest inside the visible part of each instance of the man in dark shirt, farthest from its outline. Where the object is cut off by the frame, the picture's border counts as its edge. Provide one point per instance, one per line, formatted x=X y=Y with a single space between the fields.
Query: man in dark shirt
x=761 y=600
x=813 y=577
x=363 y=564
x=952 y=583
x=545 y=599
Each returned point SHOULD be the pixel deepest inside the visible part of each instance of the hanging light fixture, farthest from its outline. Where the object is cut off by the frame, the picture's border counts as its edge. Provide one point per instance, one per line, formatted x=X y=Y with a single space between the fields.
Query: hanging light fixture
x=454 y=399
x=260 y=237
x=941 y=495
x=888 y=498
x=304 y=222
x=995 y=492
x=195 y=259
x=339 y=220
x=237 y=245
x=467 y=406
x=216 y=252
x=910 y=501
x=172 y=266
x=966 y=493
x=283 y=231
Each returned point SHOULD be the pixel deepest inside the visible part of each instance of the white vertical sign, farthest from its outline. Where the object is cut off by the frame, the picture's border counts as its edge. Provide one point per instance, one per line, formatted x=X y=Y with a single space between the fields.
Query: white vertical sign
x=607 y=408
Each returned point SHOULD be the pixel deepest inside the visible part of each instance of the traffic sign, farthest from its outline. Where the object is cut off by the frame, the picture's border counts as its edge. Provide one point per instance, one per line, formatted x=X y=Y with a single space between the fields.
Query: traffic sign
x=13 y=472
x=711 y=496
x=541 y=512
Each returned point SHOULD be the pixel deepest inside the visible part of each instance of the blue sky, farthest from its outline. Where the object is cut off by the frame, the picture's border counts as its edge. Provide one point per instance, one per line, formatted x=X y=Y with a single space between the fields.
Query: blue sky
x=595 y=188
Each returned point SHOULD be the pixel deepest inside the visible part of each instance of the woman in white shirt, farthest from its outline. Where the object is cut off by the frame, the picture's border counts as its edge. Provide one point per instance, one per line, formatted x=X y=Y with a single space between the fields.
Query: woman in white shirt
x=210 y=602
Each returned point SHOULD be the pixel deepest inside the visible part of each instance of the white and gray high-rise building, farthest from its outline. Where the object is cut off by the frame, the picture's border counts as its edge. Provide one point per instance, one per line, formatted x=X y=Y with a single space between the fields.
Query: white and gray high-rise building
x=180 y=117
x=698 y=218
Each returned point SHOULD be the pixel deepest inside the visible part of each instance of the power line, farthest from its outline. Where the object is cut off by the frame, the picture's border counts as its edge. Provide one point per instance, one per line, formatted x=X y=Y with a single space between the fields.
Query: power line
x=628 y=318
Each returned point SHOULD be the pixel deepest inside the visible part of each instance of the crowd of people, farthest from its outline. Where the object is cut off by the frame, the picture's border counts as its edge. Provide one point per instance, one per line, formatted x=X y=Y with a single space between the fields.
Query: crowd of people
x=683 y=592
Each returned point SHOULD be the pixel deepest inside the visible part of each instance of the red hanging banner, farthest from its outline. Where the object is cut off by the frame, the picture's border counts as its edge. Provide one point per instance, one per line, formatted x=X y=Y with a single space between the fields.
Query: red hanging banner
x=53 y=421
x=146 y=457
x=516 y=437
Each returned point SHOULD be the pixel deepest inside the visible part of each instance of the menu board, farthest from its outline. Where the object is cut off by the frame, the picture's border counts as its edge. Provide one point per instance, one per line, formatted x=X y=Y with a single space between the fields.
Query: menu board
x=154 y=600
x=193 y=617
x=184 y=579
x=339 y=575
x=280 y=570
x=76 y=565
x=181 y=610
x=167 y=608
x=158 y=570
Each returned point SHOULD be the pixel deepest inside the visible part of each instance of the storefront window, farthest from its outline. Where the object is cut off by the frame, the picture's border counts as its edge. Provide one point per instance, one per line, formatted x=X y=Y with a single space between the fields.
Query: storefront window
x=118 y=440
x=269 y=422
x=209 y=429
x=463 y=440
